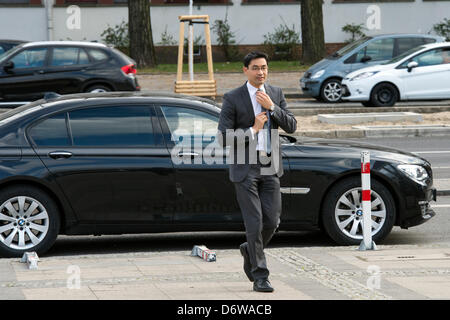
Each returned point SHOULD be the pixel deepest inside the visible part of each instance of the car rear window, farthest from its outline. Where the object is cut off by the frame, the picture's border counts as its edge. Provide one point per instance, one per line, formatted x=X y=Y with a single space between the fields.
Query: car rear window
x=98 y=55
x=123 y=56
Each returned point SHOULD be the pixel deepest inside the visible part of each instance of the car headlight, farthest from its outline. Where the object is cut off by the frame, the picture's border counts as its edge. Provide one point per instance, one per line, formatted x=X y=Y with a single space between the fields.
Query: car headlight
x=318 y=74
x=415 y=172
x=364 y=75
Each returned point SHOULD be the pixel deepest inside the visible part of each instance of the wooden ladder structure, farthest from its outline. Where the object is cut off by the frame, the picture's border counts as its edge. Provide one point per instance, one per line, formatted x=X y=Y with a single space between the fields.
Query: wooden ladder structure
x=203 y=88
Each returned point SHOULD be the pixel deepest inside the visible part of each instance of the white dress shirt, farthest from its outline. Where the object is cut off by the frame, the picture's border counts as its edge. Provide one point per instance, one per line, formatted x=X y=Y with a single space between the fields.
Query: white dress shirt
x=257 y=108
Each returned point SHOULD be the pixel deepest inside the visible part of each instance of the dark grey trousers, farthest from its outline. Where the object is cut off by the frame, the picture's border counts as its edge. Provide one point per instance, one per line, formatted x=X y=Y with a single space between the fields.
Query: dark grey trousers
x=259 y=199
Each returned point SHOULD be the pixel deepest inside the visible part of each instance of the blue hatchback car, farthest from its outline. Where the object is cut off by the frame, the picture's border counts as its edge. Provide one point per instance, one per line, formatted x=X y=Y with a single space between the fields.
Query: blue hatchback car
x=323 y=80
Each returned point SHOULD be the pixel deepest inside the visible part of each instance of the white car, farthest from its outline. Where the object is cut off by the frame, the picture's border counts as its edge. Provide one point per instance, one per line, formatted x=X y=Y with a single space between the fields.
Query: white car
x=421 y=73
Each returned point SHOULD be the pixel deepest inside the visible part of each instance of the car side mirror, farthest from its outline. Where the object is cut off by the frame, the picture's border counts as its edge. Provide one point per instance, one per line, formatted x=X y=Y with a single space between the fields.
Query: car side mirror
x=366 y=58
x=412 y=65
x=8 y=66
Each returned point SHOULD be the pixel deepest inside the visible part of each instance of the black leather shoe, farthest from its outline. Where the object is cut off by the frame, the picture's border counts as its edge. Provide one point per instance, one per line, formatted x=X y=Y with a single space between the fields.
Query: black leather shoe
x=262 y=285
x=247 y=264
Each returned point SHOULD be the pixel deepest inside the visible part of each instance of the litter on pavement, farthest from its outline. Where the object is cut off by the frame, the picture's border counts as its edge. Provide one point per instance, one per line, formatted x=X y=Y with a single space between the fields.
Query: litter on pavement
x=204 y=253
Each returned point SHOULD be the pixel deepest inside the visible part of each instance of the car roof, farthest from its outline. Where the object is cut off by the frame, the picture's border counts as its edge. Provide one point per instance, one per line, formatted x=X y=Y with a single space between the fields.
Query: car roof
x=56 y=103
x=64 y=43
x=12 y=41
x=153 y=96
x=390 y=35
x=435 y=45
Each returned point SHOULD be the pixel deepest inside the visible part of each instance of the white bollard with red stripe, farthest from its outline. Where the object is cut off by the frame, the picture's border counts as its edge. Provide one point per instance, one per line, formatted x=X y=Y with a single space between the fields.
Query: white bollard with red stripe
x=367 y=243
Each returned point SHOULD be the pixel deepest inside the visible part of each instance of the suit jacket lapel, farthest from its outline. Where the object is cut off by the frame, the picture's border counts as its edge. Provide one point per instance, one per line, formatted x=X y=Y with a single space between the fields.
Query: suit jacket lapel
x=269 y=92
x=246 y=100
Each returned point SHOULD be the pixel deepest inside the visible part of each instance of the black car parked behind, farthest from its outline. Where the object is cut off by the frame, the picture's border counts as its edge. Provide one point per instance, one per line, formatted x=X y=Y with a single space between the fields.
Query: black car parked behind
x=109 y=164
x=64 y=67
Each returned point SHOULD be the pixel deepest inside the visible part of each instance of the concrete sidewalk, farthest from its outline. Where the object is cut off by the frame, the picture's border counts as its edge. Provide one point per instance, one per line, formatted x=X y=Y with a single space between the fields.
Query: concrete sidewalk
x=344 y=273
x=289 y=81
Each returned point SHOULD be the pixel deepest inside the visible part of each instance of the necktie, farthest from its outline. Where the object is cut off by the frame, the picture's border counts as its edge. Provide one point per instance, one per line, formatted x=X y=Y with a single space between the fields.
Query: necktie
x=267 y=146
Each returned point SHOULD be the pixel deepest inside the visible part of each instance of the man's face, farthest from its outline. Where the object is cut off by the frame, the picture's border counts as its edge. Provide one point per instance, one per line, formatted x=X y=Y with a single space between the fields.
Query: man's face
x=256 y=72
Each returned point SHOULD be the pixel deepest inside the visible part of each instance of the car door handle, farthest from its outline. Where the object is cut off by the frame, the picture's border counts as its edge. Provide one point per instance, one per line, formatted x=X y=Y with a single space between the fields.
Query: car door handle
x=60 y=155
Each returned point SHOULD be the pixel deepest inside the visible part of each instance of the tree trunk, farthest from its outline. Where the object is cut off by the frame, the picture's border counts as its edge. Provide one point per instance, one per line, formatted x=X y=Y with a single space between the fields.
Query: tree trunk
x=313 y=38
x=142 y=49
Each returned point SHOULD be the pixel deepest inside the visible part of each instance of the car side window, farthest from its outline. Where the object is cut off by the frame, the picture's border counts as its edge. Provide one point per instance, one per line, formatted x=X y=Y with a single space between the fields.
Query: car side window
x=431 y=58
x=378 y=50
x=69 y=56
x=405 y=44
x=197 y=126
x=121 y=126
x=30 y=58
x=51 y=132
x=98 y=55
x=428 y=40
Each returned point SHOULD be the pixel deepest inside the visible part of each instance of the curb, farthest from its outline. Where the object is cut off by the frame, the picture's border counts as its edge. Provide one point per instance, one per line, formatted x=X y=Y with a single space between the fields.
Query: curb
x=375 y=133
x=219 y=96
x=312 y=111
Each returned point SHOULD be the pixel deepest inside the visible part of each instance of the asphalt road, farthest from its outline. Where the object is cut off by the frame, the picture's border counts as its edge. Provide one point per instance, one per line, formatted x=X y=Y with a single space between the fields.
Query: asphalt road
x=313 y=103
x=434 y=149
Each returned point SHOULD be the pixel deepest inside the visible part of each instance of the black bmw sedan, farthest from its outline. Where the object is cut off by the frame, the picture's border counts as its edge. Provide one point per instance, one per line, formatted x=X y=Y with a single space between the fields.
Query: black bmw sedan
x=108 y=163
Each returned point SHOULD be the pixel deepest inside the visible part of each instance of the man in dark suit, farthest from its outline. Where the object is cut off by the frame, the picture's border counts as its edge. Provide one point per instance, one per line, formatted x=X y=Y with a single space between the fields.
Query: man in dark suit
x=249 y=122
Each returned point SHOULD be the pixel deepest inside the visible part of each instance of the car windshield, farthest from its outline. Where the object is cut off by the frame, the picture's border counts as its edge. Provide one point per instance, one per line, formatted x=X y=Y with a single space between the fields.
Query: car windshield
x=350 y=47
x=8 y=53
x=404 y=54
x=18 y=112
x=3 y=55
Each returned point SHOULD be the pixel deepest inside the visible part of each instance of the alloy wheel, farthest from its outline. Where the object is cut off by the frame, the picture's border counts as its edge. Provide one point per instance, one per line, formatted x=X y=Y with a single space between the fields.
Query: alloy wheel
x=333 y=91
x=24 y=223
x=98 y=90
x=349 y=214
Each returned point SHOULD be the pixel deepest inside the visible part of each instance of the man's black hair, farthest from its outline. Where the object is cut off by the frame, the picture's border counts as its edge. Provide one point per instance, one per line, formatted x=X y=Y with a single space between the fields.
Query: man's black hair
x=255 y=55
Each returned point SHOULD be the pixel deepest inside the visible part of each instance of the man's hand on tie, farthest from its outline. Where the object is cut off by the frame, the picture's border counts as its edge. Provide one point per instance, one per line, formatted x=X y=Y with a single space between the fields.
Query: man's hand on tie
x=260 y=119
x=264 y=100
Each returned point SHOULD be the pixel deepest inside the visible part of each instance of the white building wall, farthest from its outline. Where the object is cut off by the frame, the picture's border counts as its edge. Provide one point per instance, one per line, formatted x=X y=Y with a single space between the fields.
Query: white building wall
x=398 y=17
x=249 y=22
x=21 y=23
x=246 y=21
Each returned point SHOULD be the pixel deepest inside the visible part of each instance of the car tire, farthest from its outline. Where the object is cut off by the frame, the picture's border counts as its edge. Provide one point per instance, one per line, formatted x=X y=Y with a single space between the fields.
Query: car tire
x=367 y=104
x=384 y=95
x=342 y=212
x=29 y=221
x=97 y=89
x=319 y=99
x=331 y=91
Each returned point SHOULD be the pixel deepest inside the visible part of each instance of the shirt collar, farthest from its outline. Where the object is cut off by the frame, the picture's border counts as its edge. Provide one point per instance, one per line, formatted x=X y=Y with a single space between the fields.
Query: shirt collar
x=252 y=90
